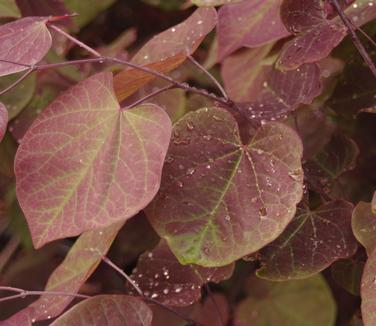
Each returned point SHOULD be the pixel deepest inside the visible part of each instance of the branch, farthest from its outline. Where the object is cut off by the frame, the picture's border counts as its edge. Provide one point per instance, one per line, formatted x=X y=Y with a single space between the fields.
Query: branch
x=24 y=293
x=354 y=37
x=209 y=75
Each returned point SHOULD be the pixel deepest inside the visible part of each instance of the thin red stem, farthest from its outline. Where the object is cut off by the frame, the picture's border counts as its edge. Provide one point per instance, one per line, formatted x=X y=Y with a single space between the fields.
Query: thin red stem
x=150 y=95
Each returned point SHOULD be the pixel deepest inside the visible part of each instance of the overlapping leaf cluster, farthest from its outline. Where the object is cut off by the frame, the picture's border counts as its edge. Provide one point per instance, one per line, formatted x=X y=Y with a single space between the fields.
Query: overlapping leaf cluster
x=133 y=147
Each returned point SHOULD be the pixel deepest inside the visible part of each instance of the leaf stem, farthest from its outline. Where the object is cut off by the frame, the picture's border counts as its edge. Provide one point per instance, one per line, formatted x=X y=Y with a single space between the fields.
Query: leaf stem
x=209 y=75
x=358 y=44
x=150 y=95
x=24 y=293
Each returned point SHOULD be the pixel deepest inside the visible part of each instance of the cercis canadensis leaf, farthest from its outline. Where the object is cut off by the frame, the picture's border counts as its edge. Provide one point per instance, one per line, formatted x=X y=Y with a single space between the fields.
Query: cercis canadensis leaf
x=306 y=302
x=368 y=291
x=364 y=226
x=17 y=43
x=221 y=199
x=3 y=120
x=311 y=242
x=81 y=261
x=248 y=24
x=161 y=277
x=107 y=310
x=86 y=164
x=182 y=39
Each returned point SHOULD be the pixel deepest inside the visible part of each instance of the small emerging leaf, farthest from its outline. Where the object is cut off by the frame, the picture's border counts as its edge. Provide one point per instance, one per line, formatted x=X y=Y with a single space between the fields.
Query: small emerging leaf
x=107 y=310
x=364 y=226
x=86 y=164
x=17 y=43
x=3 y=120
x=216 y=189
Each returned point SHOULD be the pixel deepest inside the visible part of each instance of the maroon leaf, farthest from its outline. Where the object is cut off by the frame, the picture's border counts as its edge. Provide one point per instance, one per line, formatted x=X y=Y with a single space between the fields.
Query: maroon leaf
x=3 y=120
x=368 y=291
x=364 y=226
x=85 y=163
x=248 y=24
x=282 y=92
x=71 y=274
x=107 y=310
x=215 y=189
x=182 y=39
x=311 y=242
x=161 y=277
x=211 y=3
x=324 y=169
x=294 y=303
x=17 y=43
x=42 y=8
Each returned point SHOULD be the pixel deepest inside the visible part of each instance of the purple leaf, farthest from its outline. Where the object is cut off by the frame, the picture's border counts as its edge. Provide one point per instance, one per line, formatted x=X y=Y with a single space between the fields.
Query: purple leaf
x=215 y=189
x=292 y=303
x=212 y=3
x=3 y=120
x=17 y=43
x=364 y=226
x=248 y=24
x=323 y=170
x=182 y=39
x=311 y=242
x=86 y=164
x=107 y=310
x=161 y=277
x=283 y=92
x=81 y=261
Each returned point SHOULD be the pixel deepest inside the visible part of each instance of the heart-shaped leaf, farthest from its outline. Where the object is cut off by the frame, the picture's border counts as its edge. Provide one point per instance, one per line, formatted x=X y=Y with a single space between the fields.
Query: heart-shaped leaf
x=364 y=226
x=250 y=24
x=85 y=163
x=295 y=303
x=3 y=120
x=81 y=261
x=215 y=189
x=17 y=43
x=311 y=242
x=161 y=277
x=107 y=310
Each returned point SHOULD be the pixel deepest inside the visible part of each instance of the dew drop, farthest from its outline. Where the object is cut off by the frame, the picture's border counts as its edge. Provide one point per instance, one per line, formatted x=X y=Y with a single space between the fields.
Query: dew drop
x=190 y=171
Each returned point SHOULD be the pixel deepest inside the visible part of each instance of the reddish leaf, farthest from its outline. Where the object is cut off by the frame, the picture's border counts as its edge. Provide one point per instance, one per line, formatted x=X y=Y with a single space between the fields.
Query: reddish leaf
x=17 y=43
x=295 y=303
x=42 y=8
x=215 y=189
x=161 y=277
x=211 y=3
x=324 y=169
x=250 y=24
x=368 y=291
x=311 y=242
x=364 y=226
x=130 y=81
x=107 y=310
x=85 y=163
x=282 y=93
x=182 y=39
x=3 y=120
x=71 y=274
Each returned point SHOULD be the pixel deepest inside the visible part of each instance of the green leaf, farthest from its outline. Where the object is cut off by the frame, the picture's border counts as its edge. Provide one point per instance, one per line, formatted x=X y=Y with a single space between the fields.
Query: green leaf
x=8 y=8
x=364 y=225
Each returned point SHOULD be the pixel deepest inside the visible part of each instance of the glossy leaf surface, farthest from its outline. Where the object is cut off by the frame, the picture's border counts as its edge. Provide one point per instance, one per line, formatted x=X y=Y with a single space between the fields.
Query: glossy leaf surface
x=107 y=310
x=17 y=40
x=161 y=277
x=287 y=304
x=81 y=261
x=219 y=199
x=311 y=242
x=249 y=24
x=364 y=226
x=86 y=164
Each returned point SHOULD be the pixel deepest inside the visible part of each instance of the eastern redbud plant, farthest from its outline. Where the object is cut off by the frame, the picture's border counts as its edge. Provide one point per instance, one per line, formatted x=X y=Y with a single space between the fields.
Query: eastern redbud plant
x=198 y=162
